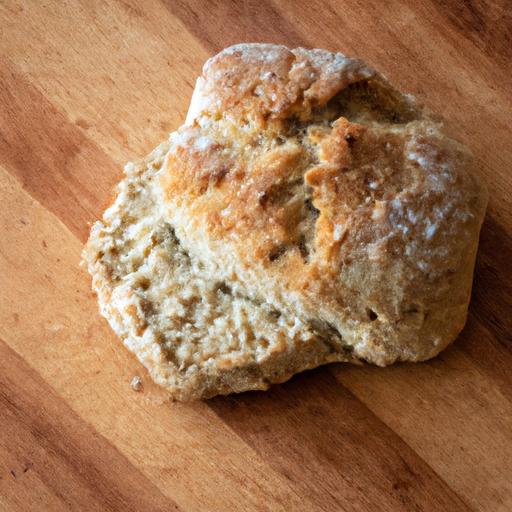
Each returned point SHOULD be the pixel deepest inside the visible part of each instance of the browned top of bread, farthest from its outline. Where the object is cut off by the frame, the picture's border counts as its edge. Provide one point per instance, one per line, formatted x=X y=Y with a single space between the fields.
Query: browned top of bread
x=307 y=180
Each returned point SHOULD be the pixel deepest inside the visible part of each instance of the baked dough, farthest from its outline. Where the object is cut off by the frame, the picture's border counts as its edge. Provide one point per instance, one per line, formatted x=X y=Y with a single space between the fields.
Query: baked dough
x=307 y=212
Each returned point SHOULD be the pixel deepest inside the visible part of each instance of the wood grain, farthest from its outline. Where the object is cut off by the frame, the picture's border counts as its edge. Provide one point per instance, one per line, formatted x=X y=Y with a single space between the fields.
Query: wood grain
x=86 y=86
x=57 y=455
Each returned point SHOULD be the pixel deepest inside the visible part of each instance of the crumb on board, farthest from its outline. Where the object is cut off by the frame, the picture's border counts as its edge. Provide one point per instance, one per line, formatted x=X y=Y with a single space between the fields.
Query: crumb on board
x=136 y=383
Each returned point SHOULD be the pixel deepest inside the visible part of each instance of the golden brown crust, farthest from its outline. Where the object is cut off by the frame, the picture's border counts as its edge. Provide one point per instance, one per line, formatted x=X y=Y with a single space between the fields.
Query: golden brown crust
x=333 y=191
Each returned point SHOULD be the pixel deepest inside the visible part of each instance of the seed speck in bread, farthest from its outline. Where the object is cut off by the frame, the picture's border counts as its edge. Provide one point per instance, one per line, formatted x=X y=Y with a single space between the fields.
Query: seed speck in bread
x=307 y=212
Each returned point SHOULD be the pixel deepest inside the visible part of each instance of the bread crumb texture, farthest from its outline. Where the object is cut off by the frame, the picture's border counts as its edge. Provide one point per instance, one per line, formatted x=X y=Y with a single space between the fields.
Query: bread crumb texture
x=307 y=212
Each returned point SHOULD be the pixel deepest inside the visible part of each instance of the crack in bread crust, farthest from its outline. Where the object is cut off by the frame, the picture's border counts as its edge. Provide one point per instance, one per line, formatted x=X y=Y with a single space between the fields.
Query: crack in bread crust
x=306 y=213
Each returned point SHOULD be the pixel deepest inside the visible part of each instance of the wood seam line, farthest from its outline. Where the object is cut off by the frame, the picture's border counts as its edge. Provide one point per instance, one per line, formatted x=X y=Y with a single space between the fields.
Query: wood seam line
x=450 y=491
x=280 y=30
x=409 y=447
x=73 y=193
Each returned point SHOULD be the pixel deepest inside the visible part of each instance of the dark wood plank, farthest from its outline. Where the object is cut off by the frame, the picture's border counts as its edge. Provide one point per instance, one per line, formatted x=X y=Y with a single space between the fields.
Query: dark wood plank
x=492 y=288
x=490 y=355
x=487 y=25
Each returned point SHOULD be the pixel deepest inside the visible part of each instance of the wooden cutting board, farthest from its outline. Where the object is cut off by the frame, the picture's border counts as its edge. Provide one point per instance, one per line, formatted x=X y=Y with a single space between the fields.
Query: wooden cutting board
x=86 y=86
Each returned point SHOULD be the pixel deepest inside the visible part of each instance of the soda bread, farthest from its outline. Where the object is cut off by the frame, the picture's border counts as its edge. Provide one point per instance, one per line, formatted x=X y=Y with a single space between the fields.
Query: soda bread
x=307 y=212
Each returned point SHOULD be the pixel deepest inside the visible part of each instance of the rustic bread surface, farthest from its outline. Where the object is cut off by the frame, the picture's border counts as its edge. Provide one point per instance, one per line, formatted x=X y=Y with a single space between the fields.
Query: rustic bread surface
x=307 y=212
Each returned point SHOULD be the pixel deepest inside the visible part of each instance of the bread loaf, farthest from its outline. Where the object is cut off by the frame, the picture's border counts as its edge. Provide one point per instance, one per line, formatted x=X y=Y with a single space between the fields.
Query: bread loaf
x=306 y=212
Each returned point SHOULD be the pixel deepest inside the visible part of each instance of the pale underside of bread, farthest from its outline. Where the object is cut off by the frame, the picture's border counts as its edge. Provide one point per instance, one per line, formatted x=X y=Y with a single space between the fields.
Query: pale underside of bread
x=306 y=213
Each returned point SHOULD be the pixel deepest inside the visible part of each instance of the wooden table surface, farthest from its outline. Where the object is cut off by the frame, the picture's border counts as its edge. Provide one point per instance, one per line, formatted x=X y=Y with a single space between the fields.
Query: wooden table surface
x=86 y=86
